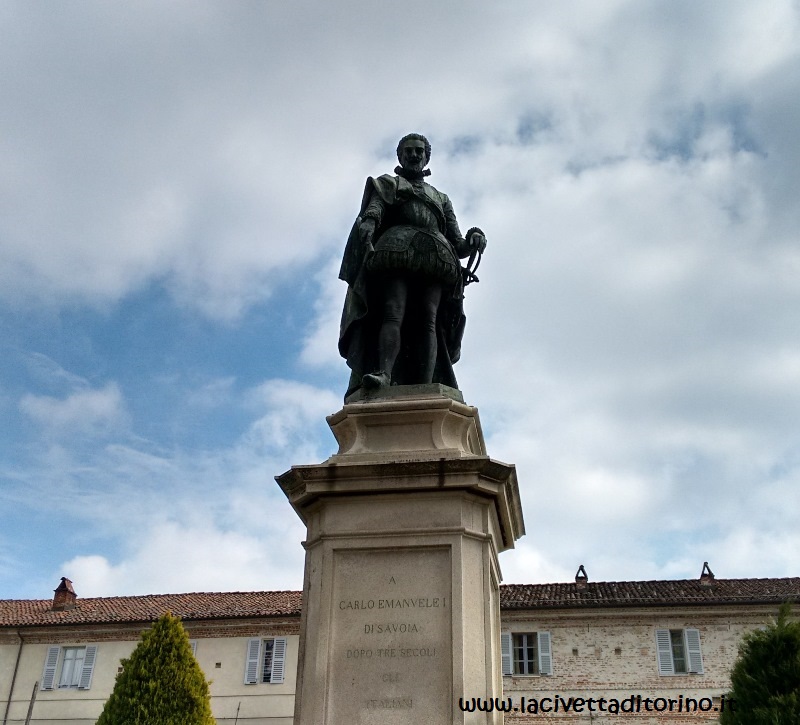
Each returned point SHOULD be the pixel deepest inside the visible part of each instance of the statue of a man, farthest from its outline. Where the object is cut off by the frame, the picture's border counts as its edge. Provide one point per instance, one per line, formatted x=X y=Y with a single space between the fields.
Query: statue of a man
x=403 y=316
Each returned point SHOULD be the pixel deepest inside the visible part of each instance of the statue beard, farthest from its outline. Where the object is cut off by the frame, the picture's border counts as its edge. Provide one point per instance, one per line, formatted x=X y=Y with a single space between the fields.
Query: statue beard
x=410 y=174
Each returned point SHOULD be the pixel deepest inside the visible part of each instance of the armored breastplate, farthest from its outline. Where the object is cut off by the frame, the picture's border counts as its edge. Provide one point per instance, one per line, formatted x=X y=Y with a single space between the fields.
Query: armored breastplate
x=418 y=214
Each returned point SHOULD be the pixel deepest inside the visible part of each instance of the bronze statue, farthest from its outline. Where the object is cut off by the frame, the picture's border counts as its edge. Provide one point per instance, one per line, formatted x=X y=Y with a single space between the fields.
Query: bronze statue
x=403 y=317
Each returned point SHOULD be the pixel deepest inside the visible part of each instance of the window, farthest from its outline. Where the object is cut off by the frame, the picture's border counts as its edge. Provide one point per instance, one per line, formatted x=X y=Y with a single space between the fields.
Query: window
x=72 y=666
x=679 y=652
x=265 y=660
x=69 y=667
x=526 y=653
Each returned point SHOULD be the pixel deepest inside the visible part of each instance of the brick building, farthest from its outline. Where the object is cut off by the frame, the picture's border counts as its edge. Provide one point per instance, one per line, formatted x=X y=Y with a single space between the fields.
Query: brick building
x=640 y=644
x=673 y=642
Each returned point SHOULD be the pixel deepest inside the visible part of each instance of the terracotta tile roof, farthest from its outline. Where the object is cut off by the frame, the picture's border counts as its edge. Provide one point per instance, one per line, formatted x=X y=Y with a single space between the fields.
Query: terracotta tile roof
x=105 y=610
x=685 y=592
x=235 y=605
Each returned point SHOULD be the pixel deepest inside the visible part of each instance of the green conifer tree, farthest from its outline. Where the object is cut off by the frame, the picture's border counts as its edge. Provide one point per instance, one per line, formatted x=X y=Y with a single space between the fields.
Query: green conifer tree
x=766 y=676
x=161 y=682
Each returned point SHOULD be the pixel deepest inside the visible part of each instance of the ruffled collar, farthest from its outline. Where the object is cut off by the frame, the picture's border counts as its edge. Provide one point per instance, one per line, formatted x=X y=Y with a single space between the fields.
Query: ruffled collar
x=411 y=175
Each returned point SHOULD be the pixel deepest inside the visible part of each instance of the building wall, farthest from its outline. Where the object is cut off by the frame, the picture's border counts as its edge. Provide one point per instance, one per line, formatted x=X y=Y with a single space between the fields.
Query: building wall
x=613 y=654
x=608 y=653
x=221 y=653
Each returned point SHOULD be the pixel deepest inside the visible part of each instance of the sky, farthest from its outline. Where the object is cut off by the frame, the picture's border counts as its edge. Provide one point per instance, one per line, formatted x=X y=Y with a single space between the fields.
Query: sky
x=177 y=182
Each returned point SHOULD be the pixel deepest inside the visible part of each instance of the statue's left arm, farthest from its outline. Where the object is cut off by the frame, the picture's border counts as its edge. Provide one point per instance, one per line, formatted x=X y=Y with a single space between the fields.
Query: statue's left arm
x=475 y=238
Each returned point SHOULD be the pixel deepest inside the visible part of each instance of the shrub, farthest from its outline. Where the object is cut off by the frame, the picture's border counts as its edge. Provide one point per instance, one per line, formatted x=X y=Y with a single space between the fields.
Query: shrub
x=765 y=679
x=161 y=682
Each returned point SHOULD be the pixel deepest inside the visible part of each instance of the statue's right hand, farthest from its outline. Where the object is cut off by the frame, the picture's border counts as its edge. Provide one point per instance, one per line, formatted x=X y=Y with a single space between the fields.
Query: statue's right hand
x=366 y=231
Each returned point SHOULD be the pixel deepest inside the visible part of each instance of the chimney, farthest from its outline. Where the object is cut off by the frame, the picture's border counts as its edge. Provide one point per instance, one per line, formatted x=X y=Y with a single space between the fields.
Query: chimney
x=581 y=578
x=706 y=576
x=64 y=597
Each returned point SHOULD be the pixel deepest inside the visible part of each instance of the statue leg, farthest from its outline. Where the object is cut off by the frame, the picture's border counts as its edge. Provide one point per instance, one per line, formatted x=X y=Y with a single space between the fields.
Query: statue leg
x=429 y=304
x=395 y=295
x=394 y=309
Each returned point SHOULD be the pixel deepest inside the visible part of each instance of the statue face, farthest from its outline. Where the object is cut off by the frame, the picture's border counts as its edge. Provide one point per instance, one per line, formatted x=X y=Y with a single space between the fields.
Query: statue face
x=412 y=156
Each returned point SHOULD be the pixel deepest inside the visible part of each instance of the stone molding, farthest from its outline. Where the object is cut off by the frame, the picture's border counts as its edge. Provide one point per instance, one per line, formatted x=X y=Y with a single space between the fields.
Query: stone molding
x=414 y=427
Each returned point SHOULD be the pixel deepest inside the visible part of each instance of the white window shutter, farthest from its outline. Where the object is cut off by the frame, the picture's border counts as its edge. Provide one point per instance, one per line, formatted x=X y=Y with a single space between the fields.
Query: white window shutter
x=278 y=659
x=193 y=645
x=505 y=651
x=545 y=654
x=88 y=667
x=693 y=654
x=664 y=645
x=50 y=666
x=251 y=663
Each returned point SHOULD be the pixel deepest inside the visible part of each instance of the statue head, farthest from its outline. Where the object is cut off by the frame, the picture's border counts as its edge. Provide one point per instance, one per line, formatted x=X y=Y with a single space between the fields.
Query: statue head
x=417 y=156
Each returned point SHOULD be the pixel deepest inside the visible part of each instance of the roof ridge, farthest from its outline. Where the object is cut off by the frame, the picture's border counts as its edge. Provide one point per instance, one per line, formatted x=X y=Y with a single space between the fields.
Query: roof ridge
x=656 y=581
x=142 y=608
x=717 y=582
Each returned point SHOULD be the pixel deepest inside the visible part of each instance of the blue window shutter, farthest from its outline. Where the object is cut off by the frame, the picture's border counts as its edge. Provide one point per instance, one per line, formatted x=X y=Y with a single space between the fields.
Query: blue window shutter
x=251 y=663
x=505 y=651
x=278 y=659
x=545 y=654
x=88 y=667
x=664 y=647
x=693 y=654
x=50 y=665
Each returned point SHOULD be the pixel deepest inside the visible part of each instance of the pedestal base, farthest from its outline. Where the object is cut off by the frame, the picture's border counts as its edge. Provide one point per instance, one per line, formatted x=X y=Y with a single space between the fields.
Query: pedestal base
x=401 y=606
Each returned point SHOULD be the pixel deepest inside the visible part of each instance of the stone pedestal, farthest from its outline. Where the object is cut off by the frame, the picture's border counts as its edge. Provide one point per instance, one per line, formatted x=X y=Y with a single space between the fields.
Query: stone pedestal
x=401 y=611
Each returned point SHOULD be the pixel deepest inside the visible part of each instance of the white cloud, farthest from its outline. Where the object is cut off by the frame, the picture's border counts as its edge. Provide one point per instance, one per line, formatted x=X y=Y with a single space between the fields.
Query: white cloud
x=527 y=565
x=192 y=158
x=212 y=393
x=210 y=520
x=49 y=373
x=82 y=411
x=293 y=409
x=170 y=557
x=631 y=345
x=744 y=550
x=320 y=346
